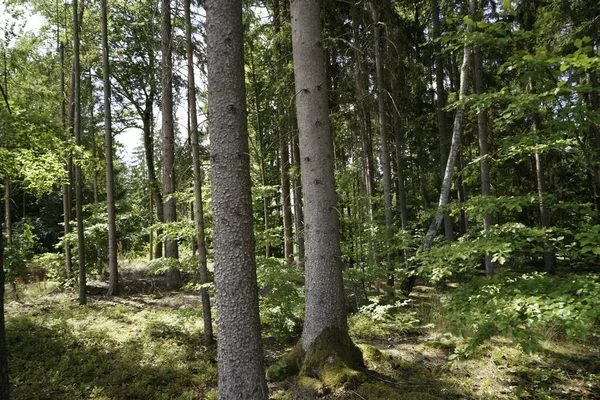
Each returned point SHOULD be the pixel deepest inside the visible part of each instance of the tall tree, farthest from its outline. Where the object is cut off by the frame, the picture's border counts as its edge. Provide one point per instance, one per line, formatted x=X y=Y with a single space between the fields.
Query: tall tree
x=78 y=172
x=482 y=130
x=442 y=117
x=168 y=130
x=454 y=147
x=113 y=285
x=199 y=213
x=325 y=314
x=239 y=347
x=4 y=380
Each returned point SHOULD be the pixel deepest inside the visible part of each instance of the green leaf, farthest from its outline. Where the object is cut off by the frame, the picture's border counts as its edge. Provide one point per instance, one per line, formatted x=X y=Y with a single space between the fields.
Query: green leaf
x=578 y=43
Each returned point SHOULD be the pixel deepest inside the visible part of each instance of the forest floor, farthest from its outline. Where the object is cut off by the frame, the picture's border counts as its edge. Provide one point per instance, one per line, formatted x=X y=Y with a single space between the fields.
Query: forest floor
x=147 y=344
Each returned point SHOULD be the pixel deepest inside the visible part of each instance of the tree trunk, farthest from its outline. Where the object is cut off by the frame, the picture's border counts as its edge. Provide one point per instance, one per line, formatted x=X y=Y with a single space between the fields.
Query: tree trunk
x=169 y=207
x=66 y=192
x=4 y=381
x=442 y=119
x=482 y=130
x=78 y=172
x=297 y=190
x=445 y=190
x=324 y=288
x=544 y=215
x=113 y=283
x=286 y=204
x=155 y=191
x=7 y=212
x=199 y=210
x=239 y=347
x=383 y=135
x=400 y=173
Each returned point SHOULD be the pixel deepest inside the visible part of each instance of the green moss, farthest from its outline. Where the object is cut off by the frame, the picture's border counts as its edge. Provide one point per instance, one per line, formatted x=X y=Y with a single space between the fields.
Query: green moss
x=381 y=391
x=334 y=359
x=289 y=365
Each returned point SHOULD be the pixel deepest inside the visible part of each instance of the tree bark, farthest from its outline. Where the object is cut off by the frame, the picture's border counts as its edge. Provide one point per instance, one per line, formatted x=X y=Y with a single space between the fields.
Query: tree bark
x=442 y=118
x=199 y=207
x=286 y=204
x=7 y=211
x=482 y=130
x=169 y=207
x=66 y=193
x=297 y=190
x=113 y=268
x=239 y=347
x=324 y=290
x=4 y=379
x=155 y=191
x=445 y=190
x=78 y=172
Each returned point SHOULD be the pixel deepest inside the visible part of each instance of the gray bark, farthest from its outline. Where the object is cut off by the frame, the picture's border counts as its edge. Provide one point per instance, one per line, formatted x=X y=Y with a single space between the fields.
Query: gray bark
x=66 y=186
x=324 y=290
x=482 y=129
x=113 y=268
x=169 y=206
x=297 y=190
x=7 y=211
x=286 y=205
x=4 y=378
x=445 y=191
x=442 y=117
x=199 y=208
x=78 y=172
x=239 y=347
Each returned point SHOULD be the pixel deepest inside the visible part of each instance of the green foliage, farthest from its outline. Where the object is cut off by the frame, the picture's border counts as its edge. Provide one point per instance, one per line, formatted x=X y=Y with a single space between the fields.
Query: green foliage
x=19 y=253
x=108 y=351
x=380 y=321
x=522 y=308
x=281 y=299
x=53 y=265
x=589 y=242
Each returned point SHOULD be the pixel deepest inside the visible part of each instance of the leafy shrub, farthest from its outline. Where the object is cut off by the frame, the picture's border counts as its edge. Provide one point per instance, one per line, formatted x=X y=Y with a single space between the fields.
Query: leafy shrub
x=281 y=299
x=522 y=308
x=53 y=265
x=380 y=321
x=19 y=253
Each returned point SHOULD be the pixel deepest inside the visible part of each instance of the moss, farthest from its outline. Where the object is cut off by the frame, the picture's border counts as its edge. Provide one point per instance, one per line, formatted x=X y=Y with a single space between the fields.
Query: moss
x=289 y=365
x=334 y=359
x=371 y=354
x=380 y=391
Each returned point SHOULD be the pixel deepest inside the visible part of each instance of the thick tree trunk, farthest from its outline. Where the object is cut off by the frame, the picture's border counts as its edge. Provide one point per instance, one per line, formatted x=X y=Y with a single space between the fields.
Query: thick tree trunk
x=78 y=172
x=113 y=284
x=199 y=207
x=169 y=207
x=482 y=129
x=324 y=288
x=239 y=347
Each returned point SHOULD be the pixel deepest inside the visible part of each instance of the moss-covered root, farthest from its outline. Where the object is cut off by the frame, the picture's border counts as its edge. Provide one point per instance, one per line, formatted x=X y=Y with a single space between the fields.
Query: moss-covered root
x=333 y=359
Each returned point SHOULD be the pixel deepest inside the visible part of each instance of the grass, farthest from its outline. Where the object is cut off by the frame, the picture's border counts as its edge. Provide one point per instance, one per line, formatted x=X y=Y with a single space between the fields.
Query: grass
x=147 y=344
